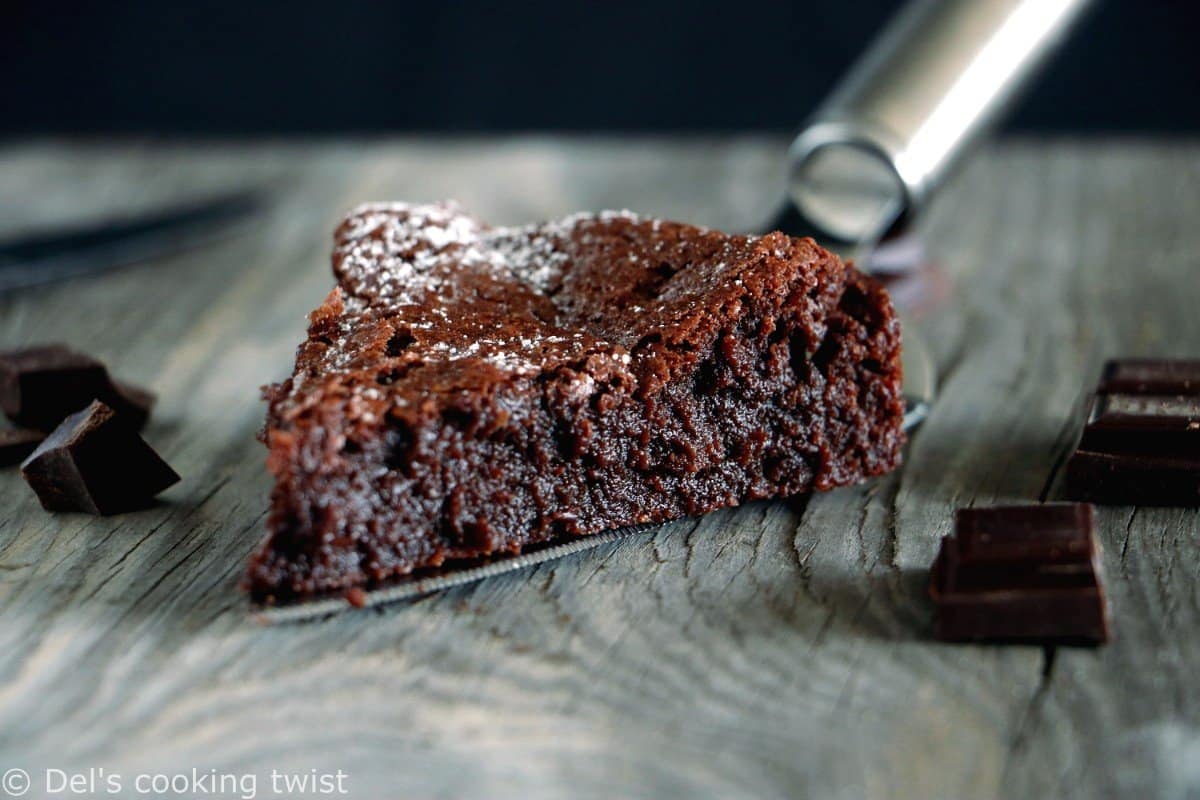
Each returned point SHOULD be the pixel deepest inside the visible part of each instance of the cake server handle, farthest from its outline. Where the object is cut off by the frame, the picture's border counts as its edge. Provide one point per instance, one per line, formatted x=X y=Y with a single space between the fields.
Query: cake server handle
x=938 y=74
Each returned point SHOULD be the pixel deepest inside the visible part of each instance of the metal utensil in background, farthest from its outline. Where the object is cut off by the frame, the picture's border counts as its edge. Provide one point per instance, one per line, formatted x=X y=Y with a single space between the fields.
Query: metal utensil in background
x=32 y=260
x=873 y=154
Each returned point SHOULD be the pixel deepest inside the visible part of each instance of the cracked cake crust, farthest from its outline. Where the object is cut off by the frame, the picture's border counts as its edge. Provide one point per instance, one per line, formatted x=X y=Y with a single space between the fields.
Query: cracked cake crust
x=468 y=391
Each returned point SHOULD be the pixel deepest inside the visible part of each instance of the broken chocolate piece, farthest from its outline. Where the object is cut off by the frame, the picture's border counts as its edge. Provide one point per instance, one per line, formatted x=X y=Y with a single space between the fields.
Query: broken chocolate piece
x=95 y=463
x=1020 y=573
x=1141 y=443
x=16 y=444
x=41 y=386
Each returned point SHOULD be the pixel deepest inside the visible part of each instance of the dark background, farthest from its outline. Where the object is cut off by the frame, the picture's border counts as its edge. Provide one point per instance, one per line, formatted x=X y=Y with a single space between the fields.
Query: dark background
x=305 y=67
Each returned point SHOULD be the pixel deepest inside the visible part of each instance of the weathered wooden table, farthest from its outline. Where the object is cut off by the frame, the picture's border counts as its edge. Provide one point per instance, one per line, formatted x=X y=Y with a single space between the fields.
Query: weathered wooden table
x=774 y=650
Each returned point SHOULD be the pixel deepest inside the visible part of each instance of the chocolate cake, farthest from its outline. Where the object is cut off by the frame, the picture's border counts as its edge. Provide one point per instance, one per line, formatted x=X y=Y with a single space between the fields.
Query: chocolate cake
x=469 y=391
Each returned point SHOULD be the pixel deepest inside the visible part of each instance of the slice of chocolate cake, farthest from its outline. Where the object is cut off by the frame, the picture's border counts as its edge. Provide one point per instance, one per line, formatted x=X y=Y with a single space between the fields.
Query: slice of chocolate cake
x=469 y=391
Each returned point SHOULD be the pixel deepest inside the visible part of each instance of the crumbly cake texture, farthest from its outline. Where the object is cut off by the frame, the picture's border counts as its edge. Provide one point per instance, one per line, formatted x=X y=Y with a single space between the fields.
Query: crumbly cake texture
x=469 y=391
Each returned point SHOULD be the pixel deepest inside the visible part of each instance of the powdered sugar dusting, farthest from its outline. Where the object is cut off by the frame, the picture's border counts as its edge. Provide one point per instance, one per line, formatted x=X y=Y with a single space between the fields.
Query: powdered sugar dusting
x=404 y=253
x=399 y=252
x=431 y=301
x=430 y=269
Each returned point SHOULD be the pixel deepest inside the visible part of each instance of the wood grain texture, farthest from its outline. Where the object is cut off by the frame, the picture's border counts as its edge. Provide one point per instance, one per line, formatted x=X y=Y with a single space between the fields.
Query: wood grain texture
x=777 y=650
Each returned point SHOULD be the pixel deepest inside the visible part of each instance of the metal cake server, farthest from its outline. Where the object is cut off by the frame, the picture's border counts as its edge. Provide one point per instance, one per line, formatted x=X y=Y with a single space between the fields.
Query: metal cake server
x=861 y=169
x=869 y=159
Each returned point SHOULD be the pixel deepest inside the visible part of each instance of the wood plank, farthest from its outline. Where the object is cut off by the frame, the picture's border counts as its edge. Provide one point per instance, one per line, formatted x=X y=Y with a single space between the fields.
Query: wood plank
x=774 y=650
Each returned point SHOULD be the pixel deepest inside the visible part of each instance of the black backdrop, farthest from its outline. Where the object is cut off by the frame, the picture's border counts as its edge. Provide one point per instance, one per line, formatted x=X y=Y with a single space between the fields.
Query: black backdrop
x=205 y=67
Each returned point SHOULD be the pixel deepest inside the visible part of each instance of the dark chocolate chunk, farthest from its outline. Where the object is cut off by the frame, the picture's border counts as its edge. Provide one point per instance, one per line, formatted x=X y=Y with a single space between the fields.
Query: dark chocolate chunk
x=1134 y=480
x=1141 y=443
x=16 y=444
x=41 y=386
x=1020 y=573
x=95 y=463
x=1151 y=376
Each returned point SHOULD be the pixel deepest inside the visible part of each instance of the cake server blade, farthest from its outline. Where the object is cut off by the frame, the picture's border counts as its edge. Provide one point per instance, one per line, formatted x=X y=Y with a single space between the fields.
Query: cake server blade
x=918 y=394
x=412 y=588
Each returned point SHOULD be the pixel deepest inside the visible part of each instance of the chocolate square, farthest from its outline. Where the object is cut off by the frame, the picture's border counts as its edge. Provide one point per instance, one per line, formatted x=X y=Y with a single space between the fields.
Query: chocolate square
x=95 y=463
x=1151 y=376
x=1020 y=573
x=41 y=386
x=1141 y=443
